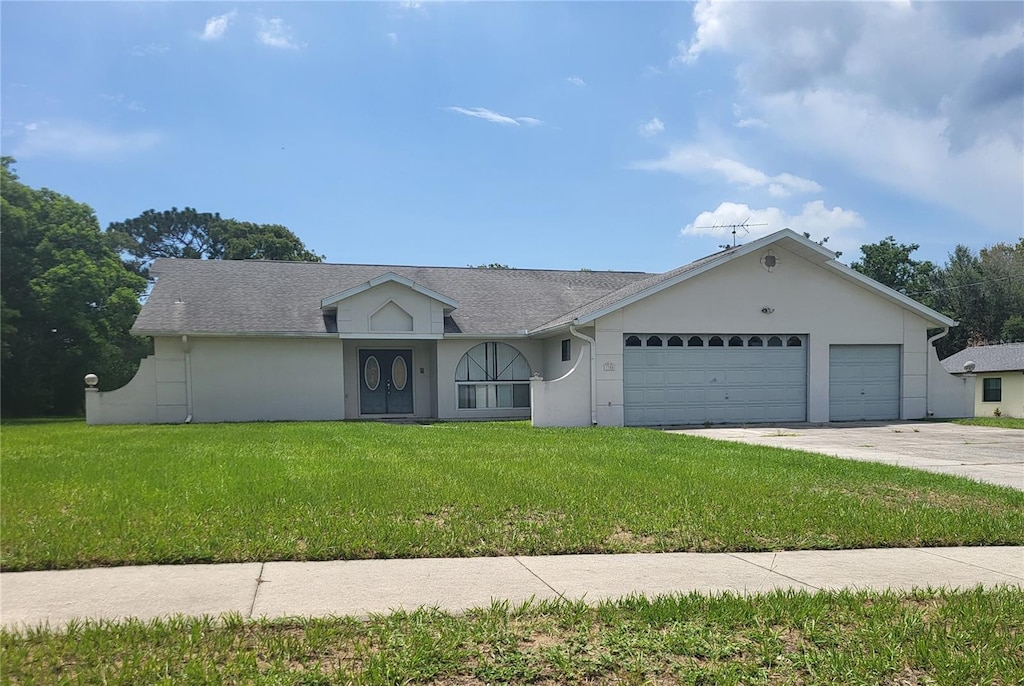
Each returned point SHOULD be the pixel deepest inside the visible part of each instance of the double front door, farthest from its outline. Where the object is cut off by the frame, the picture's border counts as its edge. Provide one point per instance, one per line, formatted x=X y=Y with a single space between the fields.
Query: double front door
x=385 y=381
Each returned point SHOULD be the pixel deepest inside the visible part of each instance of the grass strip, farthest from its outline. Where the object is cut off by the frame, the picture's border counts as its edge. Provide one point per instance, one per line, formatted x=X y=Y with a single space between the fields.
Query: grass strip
x=921 y=637
x=998 y=422
x=78 y=496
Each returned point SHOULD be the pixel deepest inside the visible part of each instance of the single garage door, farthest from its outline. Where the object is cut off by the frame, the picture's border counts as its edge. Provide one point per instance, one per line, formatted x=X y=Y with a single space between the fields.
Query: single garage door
x=723 y=378
x=863 y=382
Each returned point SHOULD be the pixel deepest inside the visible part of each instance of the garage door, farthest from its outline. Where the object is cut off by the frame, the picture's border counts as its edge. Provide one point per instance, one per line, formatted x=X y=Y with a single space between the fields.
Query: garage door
x=863 y=382
x=724 y=378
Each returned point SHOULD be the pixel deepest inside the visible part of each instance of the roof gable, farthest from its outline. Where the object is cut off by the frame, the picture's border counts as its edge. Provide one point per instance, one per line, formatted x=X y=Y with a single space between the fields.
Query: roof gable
x=388 y=277
x=788 y=238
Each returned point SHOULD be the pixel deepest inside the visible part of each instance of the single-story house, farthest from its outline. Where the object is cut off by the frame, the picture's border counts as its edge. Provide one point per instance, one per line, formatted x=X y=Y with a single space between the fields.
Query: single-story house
x=999 y=377
x=772 y=331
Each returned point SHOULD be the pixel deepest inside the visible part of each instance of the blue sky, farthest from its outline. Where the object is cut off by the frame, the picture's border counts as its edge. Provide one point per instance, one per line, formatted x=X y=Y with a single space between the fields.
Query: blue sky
x=542 y=135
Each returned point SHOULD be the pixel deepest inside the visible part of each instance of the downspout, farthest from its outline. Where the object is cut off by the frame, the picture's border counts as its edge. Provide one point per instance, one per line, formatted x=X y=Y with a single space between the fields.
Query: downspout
x=593 y=371
x=928 y=370
x=188 y=378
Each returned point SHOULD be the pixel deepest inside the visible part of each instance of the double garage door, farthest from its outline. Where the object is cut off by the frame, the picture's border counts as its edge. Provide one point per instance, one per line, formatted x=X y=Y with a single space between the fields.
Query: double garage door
x=694 y=379
x=724 y=378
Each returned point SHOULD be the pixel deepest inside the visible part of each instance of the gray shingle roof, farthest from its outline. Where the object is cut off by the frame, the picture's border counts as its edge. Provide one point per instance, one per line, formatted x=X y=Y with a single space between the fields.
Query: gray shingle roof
x=630 y=289
x=1006 y=357
x=222 y=296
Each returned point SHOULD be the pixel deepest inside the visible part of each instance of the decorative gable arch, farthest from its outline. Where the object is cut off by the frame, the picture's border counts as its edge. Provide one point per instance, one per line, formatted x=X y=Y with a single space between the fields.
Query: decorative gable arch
x=391 y=318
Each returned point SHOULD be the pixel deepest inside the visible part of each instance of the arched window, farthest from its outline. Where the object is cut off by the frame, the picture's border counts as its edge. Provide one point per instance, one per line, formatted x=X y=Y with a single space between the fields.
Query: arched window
x=675 y=342
x=755 y=342
x=695 y=342
x=794 y=342
x=633 y=342
x=654 y=342
x=774 y=342
x=493 y=375
x=716 y=341
x=735 y=342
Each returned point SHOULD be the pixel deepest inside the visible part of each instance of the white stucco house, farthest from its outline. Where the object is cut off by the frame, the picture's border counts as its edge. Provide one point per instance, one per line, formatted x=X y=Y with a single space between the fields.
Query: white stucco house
x=772 y=331
x=999 y=377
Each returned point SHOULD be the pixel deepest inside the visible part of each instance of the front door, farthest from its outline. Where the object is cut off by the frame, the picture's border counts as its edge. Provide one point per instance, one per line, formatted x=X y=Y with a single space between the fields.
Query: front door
x=385 y=381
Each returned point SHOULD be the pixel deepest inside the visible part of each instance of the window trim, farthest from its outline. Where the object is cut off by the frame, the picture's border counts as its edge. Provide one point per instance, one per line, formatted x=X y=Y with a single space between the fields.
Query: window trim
x=995 y=389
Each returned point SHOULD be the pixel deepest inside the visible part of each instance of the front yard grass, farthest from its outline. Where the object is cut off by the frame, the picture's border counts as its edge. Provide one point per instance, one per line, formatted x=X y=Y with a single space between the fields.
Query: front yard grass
x=921 y=637
x=72 y=495
x=999 y=422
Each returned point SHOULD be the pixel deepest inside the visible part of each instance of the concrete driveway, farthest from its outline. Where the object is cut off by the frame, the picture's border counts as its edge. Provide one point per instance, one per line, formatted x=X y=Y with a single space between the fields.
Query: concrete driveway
x=977 y=452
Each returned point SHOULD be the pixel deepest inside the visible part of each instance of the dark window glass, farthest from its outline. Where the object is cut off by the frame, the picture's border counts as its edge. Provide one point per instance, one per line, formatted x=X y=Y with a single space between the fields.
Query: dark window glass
x=755 y=342
x=566 y=350
x=735 y=342
x=633 y=342
x=716 y=341
x=695 y=342
x=675 y=341
x=654 y=342
x=774 y=342
x=794 y=342
x=992 y=390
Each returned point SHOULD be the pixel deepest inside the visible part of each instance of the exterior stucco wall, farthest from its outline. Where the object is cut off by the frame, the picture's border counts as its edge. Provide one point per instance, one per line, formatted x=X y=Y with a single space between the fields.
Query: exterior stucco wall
x=949 y=395
x=1012 y=402
x=355 y=314
x=155 y=395
x=804 y=298
x=563 y=401
x=263 y=379
x=424 y=386
x=449 y=352
x=553 y=366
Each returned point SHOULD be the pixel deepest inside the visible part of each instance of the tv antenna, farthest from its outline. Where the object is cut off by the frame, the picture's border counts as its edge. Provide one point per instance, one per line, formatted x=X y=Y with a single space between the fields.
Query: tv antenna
x=733 y=229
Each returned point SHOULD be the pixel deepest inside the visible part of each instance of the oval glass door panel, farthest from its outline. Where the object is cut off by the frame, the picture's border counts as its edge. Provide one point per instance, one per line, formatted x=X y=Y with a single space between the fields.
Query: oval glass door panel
x=399 y=373
x=371 y=373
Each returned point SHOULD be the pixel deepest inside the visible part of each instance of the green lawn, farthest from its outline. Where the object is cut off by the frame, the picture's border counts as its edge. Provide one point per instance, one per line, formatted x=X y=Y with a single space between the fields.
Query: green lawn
x=1000 y=422
x=923 y=637
x=76 y=496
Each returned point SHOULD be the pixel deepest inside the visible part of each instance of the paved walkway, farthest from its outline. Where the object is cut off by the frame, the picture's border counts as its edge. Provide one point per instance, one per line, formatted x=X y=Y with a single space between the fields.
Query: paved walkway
x=361 y=587
x=982 y=453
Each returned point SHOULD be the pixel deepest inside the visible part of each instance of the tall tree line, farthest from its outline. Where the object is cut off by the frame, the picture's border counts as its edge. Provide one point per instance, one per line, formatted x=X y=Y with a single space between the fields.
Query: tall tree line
x=69 y=292
x=983 y=290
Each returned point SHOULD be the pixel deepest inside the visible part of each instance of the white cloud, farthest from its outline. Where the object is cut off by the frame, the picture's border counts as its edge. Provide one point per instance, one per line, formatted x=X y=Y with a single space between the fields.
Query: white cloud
x=275 y=33
x=925 y=98
x=695 y=161
x=392 y=38
x=751 y=123
x=80 y=140
x=495 y=117
x=216 y=26
x=148 y=50
x=652 y=127
x=576 y=81
x=837 y=224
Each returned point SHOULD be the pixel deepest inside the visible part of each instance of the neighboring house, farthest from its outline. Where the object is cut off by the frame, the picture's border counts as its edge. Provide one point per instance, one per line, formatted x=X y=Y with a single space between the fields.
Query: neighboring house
x=999 y=380
x=772 y=331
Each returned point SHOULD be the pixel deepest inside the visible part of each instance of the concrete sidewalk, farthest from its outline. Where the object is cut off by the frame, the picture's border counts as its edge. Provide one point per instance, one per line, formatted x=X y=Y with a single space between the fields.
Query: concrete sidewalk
x=361 y=587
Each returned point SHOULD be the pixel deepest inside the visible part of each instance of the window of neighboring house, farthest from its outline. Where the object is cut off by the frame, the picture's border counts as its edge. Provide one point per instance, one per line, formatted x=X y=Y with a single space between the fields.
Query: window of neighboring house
x=566 y=349
x=992 y=390
x=493 y=375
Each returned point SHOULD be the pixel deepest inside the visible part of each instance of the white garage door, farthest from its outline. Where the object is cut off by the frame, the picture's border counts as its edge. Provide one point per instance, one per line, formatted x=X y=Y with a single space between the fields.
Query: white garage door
x=863 y=382
x=693 y=379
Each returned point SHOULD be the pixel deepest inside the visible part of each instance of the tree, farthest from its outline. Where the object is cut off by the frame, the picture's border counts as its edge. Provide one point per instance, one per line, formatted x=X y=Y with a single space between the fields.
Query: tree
x=889 y=263
x=191 y=234
x=984 y=292
x=68 y=302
